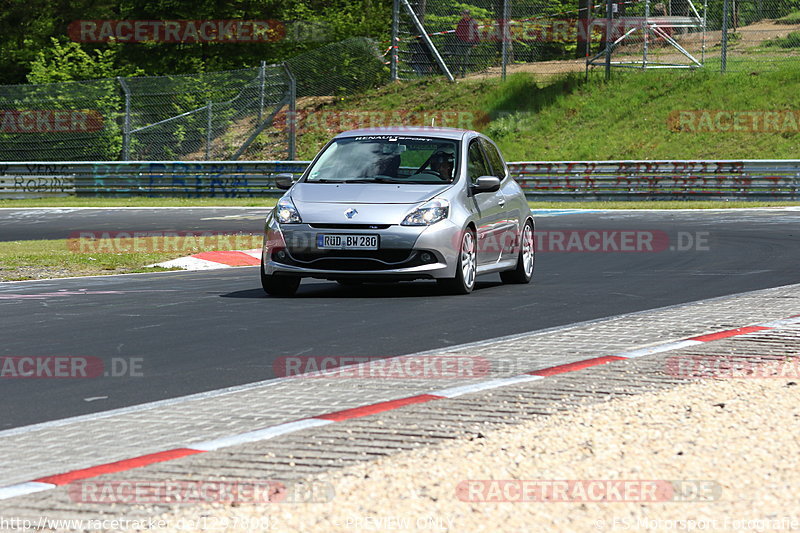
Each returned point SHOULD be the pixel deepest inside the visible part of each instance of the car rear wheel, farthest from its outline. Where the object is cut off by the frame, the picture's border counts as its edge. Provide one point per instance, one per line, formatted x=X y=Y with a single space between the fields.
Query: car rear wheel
x=525 y=262
x=466 y=268
x=281 y=286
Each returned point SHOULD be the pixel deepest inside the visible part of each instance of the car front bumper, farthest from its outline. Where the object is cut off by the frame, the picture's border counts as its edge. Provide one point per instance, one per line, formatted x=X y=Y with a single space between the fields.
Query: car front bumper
x=404 y=252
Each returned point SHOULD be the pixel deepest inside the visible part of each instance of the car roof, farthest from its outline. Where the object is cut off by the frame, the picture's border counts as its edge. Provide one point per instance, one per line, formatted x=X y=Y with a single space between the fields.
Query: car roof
x=414 y=131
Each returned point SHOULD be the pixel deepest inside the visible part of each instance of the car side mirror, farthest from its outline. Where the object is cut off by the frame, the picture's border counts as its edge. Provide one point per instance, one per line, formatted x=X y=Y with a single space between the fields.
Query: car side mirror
x=486 y=184
x=284 y=181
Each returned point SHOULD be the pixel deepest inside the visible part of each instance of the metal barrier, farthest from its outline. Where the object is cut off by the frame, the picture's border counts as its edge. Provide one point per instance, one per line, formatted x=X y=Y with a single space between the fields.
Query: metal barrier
x=579 y=180
x=188 y=179
x=756 y=179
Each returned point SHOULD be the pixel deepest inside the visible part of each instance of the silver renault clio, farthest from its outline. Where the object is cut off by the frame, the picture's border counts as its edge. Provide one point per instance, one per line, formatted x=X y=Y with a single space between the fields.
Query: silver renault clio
x=395 y=204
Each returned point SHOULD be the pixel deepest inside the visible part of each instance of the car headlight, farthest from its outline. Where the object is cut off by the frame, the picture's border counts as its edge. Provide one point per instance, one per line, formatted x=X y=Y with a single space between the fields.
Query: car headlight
x=428 y=213
x=286 y=212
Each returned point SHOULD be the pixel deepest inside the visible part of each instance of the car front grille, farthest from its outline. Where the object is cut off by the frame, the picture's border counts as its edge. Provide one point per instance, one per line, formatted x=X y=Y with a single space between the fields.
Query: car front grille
x=351 y=260
x=350 y=226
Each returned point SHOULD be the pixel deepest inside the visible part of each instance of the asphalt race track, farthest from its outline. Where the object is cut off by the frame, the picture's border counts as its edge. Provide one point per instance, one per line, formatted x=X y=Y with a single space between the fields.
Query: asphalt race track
x=62 y=223
x=188 y=332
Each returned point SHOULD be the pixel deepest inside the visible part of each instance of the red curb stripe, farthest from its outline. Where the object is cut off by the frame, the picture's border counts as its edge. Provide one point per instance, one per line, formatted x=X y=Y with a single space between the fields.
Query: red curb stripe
x=230 y=257
x=727 y=333
x=571 y=367
x=127 y=464
x=358 y=412
x=119 y=466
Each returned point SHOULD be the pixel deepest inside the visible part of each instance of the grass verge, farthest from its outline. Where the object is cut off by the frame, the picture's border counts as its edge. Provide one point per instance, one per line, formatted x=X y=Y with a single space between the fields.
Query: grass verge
x=791 y=18
x=269 y=202
x=24 y=260
x=75 y=201
x=790 y=41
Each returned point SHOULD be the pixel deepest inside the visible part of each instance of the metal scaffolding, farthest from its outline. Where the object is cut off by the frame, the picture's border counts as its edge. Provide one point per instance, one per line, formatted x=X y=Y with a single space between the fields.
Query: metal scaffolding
x=657 y=25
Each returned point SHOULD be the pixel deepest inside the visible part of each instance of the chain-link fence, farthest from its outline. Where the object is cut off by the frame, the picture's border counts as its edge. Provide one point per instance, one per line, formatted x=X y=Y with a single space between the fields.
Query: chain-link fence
x=718 y=34
x=752 y=35
x=342 y=68
x=201 y=116
x=61 y=121
x=456 y=39
x=250 y=113
x=215 y=115
x=338 y=69
x=238 y=114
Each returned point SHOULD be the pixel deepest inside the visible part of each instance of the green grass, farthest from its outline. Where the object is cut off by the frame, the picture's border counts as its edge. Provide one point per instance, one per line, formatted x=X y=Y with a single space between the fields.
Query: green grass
x=790 y=41
x=467 y=104
x=631 y=117
x=634 y=117
x=73 y=201
x=37 y=259
x=791 y=18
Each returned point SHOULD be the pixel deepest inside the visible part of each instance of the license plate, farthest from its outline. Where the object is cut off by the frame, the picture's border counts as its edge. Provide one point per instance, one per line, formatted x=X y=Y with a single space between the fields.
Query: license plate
x=347 y=242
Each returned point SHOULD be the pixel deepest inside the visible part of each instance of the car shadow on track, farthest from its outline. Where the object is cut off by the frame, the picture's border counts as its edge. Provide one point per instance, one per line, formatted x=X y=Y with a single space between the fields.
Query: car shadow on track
x=364 y=290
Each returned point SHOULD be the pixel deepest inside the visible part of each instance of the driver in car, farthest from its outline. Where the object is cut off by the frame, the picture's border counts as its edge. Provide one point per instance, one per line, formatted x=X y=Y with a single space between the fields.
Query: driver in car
x=442 y=163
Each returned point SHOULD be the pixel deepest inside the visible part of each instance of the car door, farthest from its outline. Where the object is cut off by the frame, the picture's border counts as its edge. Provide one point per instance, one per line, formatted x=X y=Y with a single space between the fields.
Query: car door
x=509 y=221
x=489 y=205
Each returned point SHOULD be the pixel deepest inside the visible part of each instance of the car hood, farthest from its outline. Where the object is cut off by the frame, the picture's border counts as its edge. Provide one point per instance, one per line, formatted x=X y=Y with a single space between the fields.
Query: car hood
x=364 y=193
x=380 y=203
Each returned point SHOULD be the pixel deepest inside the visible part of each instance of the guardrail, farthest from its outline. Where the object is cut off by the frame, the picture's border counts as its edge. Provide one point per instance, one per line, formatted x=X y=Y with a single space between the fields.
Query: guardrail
x=192 y=179
x=623 y=180
x=650 y=180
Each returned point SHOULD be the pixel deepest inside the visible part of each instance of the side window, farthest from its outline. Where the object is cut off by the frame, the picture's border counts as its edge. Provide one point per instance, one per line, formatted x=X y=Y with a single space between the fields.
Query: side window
x=476 y=163
x=498 y=168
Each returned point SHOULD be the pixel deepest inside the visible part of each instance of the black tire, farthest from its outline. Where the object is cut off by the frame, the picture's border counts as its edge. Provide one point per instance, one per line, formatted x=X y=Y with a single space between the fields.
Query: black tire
x=523 y=272
x=280 y=286
x=464 y=281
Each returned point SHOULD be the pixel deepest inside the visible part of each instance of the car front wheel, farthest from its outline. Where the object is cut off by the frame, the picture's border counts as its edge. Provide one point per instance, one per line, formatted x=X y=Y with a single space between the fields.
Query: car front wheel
x=281 y=286
x=466 y=267
x=523 y=272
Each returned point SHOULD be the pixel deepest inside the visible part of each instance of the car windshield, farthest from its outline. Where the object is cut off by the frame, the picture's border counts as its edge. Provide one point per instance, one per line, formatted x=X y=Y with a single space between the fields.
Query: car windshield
x=386 y=159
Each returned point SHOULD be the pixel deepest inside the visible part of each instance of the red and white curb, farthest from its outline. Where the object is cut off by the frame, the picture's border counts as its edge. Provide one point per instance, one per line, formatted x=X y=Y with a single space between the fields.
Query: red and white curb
x=51 y=482
x=213 y=260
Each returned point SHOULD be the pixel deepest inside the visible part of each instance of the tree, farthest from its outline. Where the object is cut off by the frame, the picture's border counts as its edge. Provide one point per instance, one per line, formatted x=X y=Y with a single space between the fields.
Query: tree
x=69 y=62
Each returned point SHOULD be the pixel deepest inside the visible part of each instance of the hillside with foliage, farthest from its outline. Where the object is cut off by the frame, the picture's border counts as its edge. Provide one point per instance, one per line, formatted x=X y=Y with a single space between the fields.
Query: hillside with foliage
x=35 y=44
x=638 y=115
